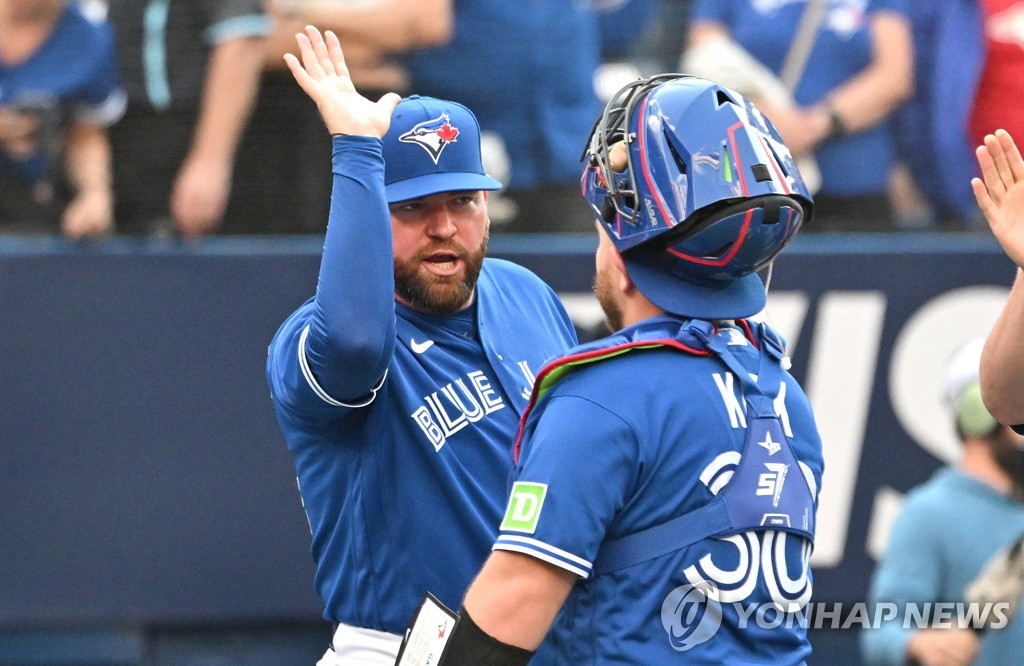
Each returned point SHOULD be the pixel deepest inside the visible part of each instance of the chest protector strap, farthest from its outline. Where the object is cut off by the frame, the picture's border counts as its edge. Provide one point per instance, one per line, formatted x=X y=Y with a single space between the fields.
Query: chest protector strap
x=768 y=489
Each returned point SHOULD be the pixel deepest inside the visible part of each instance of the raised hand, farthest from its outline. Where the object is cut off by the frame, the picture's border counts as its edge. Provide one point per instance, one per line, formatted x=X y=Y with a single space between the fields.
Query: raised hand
x=325 y=78
x=1001 y=195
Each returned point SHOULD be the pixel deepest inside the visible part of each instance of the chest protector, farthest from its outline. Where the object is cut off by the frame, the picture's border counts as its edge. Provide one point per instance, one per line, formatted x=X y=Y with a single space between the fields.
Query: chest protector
x=768 y=490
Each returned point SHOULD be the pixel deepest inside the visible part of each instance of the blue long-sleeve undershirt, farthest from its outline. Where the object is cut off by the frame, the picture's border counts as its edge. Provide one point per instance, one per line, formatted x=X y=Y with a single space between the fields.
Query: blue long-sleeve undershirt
x=352 y=329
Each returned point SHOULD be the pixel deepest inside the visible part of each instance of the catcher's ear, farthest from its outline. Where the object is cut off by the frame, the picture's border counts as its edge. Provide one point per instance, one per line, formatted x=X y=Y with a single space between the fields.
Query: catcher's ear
x=625 y=281
x=608 y=209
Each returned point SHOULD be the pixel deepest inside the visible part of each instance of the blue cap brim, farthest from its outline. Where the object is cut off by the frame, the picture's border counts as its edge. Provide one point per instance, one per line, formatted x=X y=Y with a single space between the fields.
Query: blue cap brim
x=733 y=299
x=433 y=183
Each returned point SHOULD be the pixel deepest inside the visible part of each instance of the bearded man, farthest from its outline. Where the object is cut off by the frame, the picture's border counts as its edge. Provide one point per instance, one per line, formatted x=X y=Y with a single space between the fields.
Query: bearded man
x=400 y=384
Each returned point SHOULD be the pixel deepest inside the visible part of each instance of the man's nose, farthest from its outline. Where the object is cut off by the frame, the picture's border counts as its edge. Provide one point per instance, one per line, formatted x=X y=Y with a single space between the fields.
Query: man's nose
x=441 y=223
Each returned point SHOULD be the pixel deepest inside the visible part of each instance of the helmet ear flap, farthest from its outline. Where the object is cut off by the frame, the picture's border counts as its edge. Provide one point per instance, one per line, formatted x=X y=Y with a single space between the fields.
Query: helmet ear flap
x=608 y=209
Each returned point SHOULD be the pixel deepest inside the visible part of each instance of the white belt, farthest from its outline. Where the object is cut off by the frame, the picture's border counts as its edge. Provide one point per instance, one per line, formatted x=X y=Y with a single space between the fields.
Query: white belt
x=358 y=646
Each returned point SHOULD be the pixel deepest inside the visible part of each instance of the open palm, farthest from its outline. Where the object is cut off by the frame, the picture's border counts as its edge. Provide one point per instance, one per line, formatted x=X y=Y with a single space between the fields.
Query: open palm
x=1001 y=195
x=325 y=78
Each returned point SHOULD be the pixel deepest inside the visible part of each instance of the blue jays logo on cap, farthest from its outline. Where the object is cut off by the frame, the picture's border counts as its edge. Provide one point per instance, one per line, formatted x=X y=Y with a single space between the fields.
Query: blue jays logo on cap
x=432 y=135
x=437 y=126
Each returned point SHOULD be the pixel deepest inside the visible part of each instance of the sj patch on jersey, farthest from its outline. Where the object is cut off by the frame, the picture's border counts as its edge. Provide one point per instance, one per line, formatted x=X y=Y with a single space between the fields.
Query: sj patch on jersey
x=524 y=507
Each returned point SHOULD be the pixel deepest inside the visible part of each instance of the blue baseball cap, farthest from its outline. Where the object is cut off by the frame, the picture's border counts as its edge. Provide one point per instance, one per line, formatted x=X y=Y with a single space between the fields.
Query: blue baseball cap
x=432 y=146
x=713 y=274
x=725 y=299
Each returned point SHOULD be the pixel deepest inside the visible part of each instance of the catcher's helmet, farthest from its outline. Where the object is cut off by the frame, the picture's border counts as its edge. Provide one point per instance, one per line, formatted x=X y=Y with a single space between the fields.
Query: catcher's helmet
x=708 y=193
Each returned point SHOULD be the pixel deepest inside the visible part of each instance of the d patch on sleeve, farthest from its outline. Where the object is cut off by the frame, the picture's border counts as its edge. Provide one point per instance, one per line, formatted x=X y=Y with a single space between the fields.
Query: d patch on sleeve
x=524 y=507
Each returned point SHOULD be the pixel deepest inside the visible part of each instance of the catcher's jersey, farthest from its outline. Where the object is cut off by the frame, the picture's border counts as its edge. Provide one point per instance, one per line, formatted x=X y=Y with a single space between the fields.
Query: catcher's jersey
x=404 y=490
x=635 y=440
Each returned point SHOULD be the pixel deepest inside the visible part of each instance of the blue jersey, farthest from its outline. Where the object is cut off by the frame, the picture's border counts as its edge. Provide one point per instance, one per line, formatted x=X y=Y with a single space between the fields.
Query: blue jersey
x=930 y=562
x=663 y=434
x=543 y=103
x=412 y=472
x=843 y=47
x=932 y=127
x=72 y=76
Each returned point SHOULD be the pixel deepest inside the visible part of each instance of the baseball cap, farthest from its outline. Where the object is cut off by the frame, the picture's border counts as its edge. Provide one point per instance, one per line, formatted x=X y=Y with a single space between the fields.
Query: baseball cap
x=712 y=273
x=432 y=146
x=725 y=299
x=962 y=390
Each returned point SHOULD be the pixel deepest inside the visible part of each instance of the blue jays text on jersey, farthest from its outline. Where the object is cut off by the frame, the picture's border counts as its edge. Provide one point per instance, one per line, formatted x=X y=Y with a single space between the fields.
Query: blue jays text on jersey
x=669 y=452
x=419 y=465
x=435 y=418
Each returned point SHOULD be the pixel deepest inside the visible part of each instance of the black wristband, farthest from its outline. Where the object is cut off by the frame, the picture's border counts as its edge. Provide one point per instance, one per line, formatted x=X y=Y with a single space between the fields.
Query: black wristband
x=469 y=645
x=836 y=126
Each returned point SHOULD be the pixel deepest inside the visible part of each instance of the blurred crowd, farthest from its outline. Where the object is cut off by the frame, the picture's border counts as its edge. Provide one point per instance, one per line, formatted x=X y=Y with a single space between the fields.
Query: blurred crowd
x=173 y=118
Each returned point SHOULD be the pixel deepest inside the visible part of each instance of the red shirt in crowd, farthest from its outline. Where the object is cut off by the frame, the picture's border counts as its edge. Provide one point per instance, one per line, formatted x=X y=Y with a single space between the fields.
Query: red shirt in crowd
x=1001 y=89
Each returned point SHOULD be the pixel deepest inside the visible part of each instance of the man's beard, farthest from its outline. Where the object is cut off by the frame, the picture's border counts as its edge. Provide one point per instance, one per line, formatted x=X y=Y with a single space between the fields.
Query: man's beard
x=1009 y=457
x=605 y=296
x=439 y=294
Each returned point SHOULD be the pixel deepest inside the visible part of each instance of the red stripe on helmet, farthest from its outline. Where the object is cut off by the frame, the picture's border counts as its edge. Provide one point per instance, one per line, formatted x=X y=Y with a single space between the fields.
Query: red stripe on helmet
x=775 y=165
x=736 y=156
x=703 y=261
x=640 y=124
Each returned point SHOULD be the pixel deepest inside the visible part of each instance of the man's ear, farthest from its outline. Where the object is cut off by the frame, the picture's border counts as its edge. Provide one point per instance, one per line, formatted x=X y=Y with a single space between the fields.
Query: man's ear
x=625 y=282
